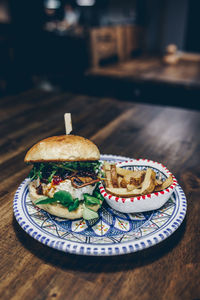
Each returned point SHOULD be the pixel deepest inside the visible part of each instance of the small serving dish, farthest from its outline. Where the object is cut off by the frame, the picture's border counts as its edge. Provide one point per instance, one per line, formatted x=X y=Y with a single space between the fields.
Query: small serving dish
x=141 y=203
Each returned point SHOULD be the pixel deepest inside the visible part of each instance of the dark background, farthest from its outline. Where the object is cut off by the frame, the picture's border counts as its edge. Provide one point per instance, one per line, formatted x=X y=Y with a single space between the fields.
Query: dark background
x=30 y=55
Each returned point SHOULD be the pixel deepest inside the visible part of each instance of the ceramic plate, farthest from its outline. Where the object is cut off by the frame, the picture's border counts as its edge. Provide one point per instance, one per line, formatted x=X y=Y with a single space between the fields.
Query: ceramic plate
x=114 y=233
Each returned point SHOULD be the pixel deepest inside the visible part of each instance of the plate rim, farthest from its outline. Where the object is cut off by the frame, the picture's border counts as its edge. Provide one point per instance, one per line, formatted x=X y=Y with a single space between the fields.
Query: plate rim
x=100 y=249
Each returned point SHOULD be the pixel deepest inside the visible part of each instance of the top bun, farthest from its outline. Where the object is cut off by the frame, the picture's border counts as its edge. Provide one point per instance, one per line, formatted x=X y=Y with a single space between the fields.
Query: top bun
x=63 y=148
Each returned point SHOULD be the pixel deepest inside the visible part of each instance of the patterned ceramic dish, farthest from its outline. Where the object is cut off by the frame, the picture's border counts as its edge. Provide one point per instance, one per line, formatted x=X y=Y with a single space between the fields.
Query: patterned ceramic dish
x=114 y=233
x=145 y=202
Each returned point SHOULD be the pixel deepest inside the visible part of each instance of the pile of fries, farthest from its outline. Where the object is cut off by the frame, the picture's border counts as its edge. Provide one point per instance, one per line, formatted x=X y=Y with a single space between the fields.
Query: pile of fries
x=129 y=183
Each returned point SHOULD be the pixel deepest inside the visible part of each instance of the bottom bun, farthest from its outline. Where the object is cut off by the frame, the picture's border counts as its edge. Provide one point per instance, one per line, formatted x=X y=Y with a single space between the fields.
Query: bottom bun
x=57 y=209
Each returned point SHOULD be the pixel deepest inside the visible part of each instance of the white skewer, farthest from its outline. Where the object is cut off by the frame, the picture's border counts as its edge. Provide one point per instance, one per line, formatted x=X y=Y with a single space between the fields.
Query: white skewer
x=68 y=123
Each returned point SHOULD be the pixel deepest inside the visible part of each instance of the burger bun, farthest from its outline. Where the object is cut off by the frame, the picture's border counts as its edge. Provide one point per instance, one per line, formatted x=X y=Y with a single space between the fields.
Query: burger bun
x=63 y=148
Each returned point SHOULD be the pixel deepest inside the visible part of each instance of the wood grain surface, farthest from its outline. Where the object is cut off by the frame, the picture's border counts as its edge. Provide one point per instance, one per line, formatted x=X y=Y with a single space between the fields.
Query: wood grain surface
x=30 y=270
x=154 y=70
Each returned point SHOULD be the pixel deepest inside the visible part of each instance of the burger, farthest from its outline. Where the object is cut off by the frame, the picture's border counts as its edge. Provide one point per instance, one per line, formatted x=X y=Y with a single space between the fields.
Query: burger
x=65 y=176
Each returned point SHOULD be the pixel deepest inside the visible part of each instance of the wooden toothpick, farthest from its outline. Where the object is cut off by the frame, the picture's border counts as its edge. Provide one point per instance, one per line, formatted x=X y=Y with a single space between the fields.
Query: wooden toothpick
x=68 y=123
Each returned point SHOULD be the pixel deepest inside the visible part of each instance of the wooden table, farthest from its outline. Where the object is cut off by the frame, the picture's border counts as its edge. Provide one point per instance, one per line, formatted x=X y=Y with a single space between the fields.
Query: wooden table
x=154 y=70
x=150 y=79
x=30 y=270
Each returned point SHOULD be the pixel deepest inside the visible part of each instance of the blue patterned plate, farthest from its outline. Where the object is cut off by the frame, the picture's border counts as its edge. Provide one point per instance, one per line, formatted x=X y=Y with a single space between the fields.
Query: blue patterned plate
x=113 y=233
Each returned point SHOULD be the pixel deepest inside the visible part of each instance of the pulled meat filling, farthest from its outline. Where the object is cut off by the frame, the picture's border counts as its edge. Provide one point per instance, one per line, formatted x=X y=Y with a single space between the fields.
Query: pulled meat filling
x=83 y=181
x=39 y=190
x=78 y=179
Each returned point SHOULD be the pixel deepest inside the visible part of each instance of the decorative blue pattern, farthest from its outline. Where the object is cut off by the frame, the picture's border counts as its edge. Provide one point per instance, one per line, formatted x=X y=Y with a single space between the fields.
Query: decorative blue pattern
x=113 y=233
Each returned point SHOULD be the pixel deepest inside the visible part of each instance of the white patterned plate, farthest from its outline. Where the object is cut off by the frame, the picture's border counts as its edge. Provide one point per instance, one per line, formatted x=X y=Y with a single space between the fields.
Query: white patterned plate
x=113 y=233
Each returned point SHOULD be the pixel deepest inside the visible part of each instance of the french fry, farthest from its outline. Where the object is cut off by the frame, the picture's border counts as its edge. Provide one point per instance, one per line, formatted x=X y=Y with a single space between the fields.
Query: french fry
x=129 y=183
x=138 y=177
x=123 y=183
x=148 y=183
x=106 y=166
x=158 y=182
x=119 y=180
x=153 y=175
x=122 y=192
x=131 y=187
x=135 y=177
x=123 y=172
x=108 y=179
x=114 y=176
x=127 y=178
x=165 y=184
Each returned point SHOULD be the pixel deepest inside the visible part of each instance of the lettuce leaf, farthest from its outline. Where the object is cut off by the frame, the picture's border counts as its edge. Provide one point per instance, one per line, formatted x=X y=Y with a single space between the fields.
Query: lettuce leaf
x=49 y=169
x=98 y=195
x=90 y=200
x=74 y=205
x=89 y=214
x=62 y=197
x=65 y=198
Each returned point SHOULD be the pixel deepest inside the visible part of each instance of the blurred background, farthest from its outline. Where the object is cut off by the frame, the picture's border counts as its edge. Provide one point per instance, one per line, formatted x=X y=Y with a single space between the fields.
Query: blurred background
x=135 y=50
